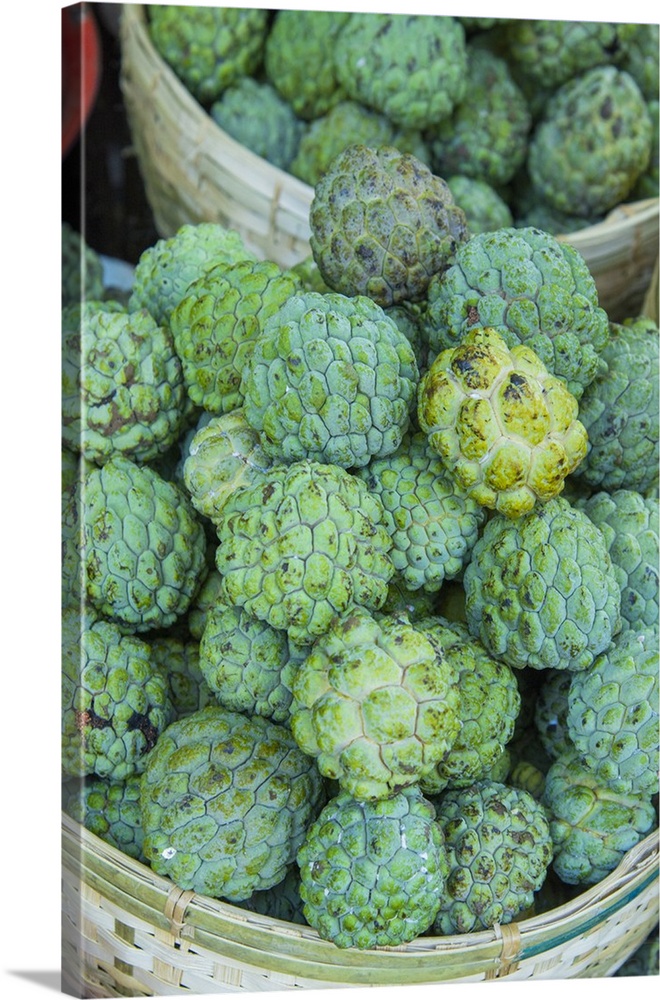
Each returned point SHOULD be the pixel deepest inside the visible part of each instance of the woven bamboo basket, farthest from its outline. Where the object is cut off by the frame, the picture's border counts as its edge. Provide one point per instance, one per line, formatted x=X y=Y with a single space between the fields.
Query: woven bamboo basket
x=194 y=172
x=130 y=932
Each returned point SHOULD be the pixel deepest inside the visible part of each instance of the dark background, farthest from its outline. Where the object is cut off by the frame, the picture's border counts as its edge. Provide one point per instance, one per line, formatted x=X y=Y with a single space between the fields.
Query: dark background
x=102 y=192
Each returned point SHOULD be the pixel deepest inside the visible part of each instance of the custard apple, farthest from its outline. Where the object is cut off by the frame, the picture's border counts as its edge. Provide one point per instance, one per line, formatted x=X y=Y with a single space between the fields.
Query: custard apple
x=111 y=810
x=122 y=384
x=376 y=703
x=82 y=268
x=591 y=826
x=226 y=801
x=382 y=224
x=505 y=429
x=115 y=699
x=540 y=589
x=209 y=48
x=166 y=268
x=372 y=873
x=592 y=143
x=487 y=134
x=612 y=714
x=271 y=129
x=216 y=323
x=499 y=850
x=142 y=546
x=330 y=379
x=630 y=524
x=178 y=658
x=485 y=210
x=433 y=523
x=489 y=703
x=410 y=67
x=531 y=289
x=307 y=543
x=550 y=710
x=620 y=411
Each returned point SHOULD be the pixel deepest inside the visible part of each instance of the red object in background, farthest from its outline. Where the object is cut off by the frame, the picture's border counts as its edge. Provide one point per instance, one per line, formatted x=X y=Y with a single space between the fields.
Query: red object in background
x=81 y=70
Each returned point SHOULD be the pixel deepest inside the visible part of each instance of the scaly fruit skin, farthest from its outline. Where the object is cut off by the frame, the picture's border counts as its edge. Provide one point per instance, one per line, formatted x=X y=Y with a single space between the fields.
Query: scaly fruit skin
x=541 y=591
x=226 y=801
x=592 y=144
x=499 y=850
x=248 y=664
x=641 y=59
x=209 y=48
x=382 y=224
x=504 y=427
x=375 y=703
x=178 y=658
x=123 y=390
x=271 y=130
x=612 y=716
x=217 y=322
x=82 y=269
x=487 y=134
x=299 y=59
x=111 y=810
x=282 y=902
x=433 y=523
x=223 y=455
x=484 y=209
x=372 y=872
x=115 y=700
x=489 y=703
x=346 y=123
x=552 y=52
x=330 y=379
x=620 y=411
x=306 y=544
x=531 y=289
x=591 y=826
x=630 y=524
x=143 y=547
x=411 y=67
x=165 y=269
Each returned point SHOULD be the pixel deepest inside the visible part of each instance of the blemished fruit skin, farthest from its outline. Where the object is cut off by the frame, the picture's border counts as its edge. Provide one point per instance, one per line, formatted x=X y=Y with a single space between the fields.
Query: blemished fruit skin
x=550 y=709
x=499 y=850
x=433 y=523
x=591 y=826
x=223 y=455
x=372 y=873
x=178 y=657
x=612 y=716
x=299 y=59
x=485 y=210
x=540 y=589
x=115 y=700
x=410 y=67
x=111 y=810
x=330 y=379
x=531 y=289
x=307 y=543
x=630 y=524
x=375 y=703
x=505 y=428
x=489 y=703
x=166 y=268
x=123 y=389
x=592 y=144
x=620 y=411
x=209 y=48
x=248 y=664
x=225 y=803
x=143 y=546
x=381 y=225
x=217 y=322
x=487 y=134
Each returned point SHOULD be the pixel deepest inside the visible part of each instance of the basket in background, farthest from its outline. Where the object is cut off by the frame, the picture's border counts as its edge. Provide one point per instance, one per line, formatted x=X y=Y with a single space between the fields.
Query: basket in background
x=130 y=932
x=195 y=172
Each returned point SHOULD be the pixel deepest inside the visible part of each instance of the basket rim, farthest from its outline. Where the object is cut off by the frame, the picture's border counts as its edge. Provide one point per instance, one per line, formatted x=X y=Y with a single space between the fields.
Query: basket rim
x=637 y=870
